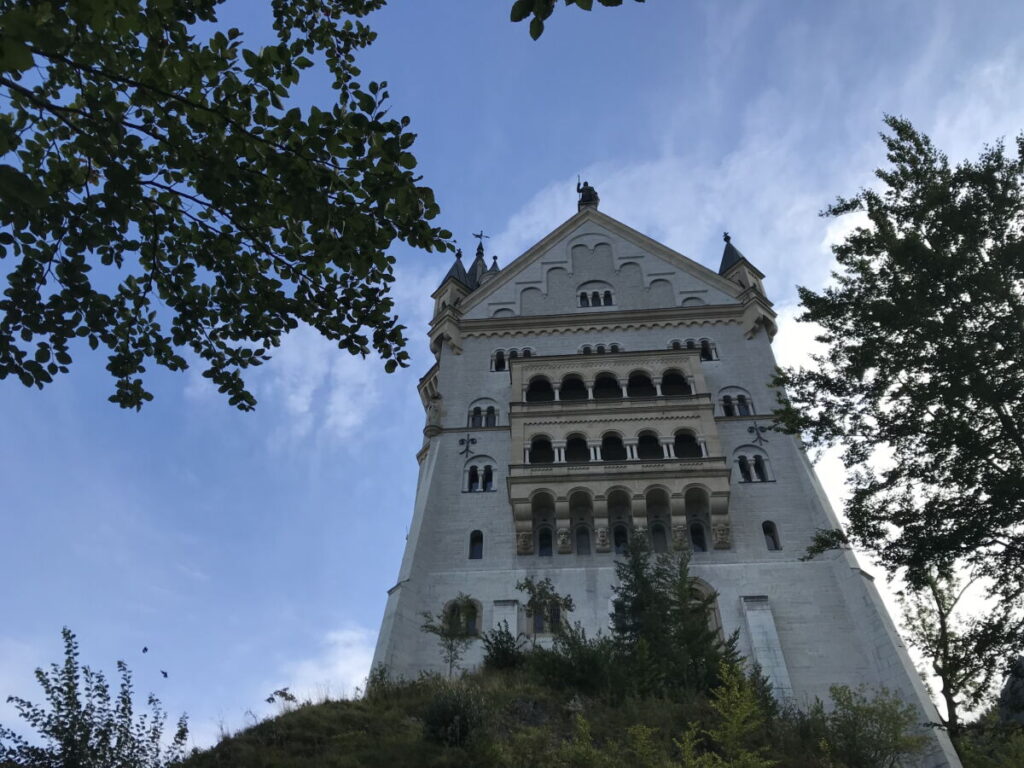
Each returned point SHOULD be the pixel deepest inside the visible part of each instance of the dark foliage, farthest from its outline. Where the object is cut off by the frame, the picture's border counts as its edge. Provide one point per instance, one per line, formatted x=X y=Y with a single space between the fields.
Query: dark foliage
x=159 y=198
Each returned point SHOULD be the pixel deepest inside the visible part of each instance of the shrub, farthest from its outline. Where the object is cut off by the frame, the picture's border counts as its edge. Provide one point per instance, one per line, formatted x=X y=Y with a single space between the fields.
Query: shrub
x=454 y=712
x=871 y=732
x=502 y=649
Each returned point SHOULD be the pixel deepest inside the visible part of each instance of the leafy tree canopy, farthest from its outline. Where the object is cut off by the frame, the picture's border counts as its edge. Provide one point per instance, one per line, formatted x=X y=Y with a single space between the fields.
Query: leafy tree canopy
x=158 y=195
x=538 y=11
x=923 y=381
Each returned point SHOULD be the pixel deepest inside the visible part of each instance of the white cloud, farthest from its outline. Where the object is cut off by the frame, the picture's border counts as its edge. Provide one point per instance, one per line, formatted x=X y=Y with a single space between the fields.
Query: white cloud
x=338 y=670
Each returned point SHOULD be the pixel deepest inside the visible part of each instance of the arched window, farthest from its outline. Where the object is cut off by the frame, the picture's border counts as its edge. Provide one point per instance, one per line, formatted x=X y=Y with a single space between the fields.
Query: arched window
x=476 y=545
x=697 y=539
x=686 y=446
x=648 y=446
x=620 y=539
x=474 y=479
x=527 y=353
x=639 y=385
x=576 y=450
x=606 y=387
x=760 y=470
x=488 y=478
x=595 y=298
x=600 y=349
x=742 y=405
x=612 y=448
x=691 y=344
x=674 y=384
x=539 y=391
x=466 y=617
x=584 y=299
x=659 y=539
x=706 y=350
x=476 y=417
x=771 y=536
x=499 y=360
x=727 y=406
x=541 y=451
x=676 y=345
x=544 y=546
x=607 y=298
x=587 y=350
x=513 y=354
x=582 y=540
x=744 y=465
x=572 y=388
x=491 y=419
x=614 y=348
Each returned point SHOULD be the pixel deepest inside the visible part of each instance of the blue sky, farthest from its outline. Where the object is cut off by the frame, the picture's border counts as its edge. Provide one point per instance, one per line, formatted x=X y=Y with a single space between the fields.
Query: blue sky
x=251 y=551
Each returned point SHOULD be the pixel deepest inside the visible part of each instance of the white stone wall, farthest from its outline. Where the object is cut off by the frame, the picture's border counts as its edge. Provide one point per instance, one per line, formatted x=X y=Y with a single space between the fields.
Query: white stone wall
x=830 y=627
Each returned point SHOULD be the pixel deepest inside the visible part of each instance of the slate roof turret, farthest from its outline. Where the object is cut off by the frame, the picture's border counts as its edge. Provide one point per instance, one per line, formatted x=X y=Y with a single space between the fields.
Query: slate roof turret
x=730 y=256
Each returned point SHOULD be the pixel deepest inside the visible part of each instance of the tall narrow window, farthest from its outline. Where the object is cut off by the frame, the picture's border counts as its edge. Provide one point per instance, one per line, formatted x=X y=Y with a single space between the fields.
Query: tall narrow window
x=512 y=354
x=742 y=405
x=584 y=299
x=476 y=418
x=472 y=619
x=474 y=479
x=491 y=418
x=476 y=545
x=538 y=623
x=600 y=349
x=760 y=470
x=544 y=547
x=771 y=536
x=587 y=351
x=676 y=345
x=691 y=344
x=705 y=350
x=727 y=407
x=620 y=538
x=744 y=465
x=488 y=478
x=595 y=298
x=555 y=618
x=607 y=298
x=659 y=540
x=582 y=540
x=499 y=360
x=527 y=353
x=697 y=540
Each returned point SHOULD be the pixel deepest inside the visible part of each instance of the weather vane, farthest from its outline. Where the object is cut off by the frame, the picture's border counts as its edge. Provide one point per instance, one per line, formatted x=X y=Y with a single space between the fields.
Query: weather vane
x=481 y=236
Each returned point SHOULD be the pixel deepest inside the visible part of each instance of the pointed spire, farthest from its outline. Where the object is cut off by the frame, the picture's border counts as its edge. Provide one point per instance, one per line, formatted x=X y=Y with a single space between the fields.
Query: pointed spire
x=730 y=256
x=494 y=266
x=458 y=271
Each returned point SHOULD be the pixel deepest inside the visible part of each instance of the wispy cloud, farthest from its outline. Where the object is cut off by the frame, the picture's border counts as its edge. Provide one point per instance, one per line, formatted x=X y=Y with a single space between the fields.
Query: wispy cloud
x=338 y=670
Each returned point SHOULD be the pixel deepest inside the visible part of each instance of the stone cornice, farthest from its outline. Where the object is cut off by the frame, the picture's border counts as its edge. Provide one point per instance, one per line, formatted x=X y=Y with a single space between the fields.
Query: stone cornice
x=582 y=322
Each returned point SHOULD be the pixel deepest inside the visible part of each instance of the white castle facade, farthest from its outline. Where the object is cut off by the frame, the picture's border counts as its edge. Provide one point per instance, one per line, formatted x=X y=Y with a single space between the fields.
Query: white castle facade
x=602 y=384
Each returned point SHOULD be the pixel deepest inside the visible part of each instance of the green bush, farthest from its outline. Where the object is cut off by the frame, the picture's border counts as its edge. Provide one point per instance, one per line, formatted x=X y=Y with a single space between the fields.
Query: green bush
x=455 y=710
x=502 y=649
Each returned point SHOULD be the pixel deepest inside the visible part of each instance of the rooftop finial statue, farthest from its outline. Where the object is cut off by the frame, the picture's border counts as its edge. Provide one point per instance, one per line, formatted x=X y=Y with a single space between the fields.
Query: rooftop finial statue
x=588 y=195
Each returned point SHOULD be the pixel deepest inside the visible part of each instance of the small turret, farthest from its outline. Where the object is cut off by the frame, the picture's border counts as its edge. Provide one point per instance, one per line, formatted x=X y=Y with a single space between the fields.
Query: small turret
x=737 y=268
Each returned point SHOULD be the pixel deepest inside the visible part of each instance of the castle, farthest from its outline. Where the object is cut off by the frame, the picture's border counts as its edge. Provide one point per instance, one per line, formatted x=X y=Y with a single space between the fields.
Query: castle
x=601 y=386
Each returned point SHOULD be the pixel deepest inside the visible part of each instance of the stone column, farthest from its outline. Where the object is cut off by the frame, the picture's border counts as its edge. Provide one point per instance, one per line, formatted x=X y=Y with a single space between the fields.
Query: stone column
x=680 y=527
x=624 y=384
x=559 y=448
x=639 y=512
x=668 y=447
x=557 y=390
x=590 y=391
x=526 y=454
x=562 y=524
x=602 y=542
x=595 y=451
x=630 y=449
x=657 y=386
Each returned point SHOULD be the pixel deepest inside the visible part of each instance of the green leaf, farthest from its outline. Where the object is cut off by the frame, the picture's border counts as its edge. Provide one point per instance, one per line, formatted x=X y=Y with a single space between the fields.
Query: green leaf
x=15 y=185
x=536 y=27
x=521 y=9
x=15 y=55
